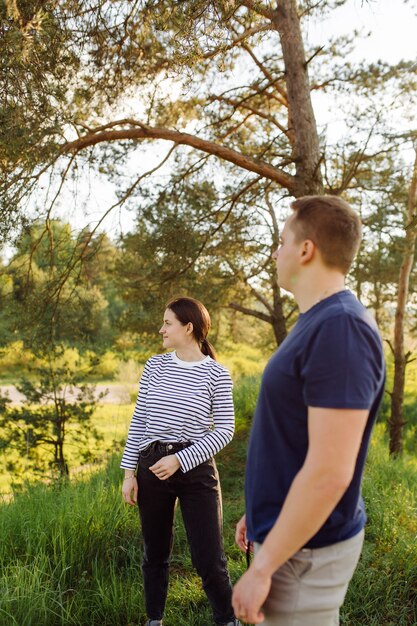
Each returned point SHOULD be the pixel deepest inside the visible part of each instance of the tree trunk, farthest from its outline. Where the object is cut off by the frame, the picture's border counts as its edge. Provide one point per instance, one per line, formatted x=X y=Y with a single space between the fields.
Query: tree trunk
x=278 y=318
x=396 y=422
x=278 y=325
x=378 y=308
x=60 y=461
x=300 y=109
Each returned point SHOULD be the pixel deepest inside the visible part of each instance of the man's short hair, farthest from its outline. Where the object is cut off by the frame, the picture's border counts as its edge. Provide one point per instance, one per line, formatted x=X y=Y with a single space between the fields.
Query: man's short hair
x=332 y=225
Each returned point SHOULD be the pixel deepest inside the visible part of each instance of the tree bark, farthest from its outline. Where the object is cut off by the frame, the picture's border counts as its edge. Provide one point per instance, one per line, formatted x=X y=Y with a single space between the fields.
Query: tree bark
x=279 y=321
x=300 y=109
x=396 y=422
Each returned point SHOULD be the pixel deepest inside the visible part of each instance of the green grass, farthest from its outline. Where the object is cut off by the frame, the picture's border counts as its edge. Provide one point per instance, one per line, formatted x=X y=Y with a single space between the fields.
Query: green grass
x=384 y=588
x=71 y=553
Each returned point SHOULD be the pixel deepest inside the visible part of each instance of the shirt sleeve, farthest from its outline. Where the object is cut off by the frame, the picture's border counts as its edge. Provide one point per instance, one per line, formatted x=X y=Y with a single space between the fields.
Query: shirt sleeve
x=138 y=423
x=223 y=426
x=341 y=366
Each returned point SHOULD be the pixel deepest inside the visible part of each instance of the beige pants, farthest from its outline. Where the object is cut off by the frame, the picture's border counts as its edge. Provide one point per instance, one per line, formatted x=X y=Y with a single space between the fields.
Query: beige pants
x=309 y=589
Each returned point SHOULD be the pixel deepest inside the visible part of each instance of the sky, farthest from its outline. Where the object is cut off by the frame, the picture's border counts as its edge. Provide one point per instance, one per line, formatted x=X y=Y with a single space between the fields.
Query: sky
x=393 y=24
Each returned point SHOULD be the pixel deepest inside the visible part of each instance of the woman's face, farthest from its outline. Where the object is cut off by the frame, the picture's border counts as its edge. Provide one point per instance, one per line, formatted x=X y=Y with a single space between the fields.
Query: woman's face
x=174 y=334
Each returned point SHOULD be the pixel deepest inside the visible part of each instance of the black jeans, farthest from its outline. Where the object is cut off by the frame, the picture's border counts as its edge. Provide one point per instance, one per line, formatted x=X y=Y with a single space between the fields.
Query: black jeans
x=198 y=492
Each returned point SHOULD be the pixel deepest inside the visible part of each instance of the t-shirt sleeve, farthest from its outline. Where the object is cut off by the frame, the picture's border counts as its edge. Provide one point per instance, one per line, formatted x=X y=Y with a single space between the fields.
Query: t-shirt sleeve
x=341 y=365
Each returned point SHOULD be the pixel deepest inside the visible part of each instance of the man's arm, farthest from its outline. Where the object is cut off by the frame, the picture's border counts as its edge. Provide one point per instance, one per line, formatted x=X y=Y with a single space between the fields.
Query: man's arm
x=335 y=436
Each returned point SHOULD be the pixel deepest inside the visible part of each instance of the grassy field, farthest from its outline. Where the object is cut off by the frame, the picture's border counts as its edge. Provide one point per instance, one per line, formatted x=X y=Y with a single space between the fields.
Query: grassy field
x=70 y=554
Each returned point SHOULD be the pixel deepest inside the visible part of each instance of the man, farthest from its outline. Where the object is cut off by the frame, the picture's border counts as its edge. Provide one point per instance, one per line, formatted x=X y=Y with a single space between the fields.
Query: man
x=318 y=401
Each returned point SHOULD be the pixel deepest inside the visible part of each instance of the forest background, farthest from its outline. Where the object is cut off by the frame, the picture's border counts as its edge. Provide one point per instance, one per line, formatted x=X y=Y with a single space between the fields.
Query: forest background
x=198 y=121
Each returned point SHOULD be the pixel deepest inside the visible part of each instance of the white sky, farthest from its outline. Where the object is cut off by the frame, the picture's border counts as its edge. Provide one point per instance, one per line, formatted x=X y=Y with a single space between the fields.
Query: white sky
x=393 y=24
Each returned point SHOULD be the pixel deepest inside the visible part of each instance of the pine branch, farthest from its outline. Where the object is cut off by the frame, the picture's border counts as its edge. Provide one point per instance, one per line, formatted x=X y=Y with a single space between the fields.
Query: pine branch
x=137 y=130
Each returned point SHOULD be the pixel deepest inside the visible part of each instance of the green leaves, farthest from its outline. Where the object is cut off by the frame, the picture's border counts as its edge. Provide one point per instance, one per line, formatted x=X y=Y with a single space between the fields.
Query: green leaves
x=56 y=399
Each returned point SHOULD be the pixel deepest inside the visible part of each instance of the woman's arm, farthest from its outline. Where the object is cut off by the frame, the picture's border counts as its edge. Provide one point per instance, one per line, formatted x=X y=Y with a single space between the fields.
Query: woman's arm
x=223 y=425
x=138 y=423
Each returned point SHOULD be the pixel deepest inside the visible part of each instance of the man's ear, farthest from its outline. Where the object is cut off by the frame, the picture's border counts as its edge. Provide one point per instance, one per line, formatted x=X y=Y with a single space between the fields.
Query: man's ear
x=307 y=251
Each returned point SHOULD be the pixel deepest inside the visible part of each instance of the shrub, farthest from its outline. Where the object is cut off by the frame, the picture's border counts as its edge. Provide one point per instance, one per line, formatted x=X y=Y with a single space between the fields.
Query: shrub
x=242 y=360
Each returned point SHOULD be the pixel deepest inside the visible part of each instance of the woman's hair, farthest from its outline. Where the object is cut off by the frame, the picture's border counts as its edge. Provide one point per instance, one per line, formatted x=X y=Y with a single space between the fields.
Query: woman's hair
x=191 y=310
x=332 y=225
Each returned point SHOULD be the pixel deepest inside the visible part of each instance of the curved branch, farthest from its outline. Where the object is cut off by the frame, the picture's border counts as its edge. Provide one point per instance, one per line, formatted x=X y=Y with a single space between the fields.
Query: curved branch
x=261 y=299
x=258 y=314
x=141 y=131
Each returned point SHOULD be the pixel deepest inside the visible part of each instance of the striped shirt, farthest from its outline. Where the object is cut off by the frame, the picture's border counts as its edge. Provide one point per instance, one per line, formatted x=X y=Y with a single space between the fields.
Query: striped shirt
x=182 y=401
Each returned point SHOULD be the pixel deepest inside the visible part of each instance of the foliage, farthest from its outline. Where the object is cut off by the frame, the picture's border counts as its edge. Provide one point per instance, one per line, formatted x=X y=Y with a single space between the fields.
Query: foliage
x=109 y=420
x=387 y=570
x=382 y=198
x=57 y=398
x=188 y=240
x=245 y=395
x=173 y=249
x=15 y=360
x=107 y=365
x=60 y=288
x=34 y=68
x=243 y=360
x=217 y=76
x=230 y=81
x=410 y=404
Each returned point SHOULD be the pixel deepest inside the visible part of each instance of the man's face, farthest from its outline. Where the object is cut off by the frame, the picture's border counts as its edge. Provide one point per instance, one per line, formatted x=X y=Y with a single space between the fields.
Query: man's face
x=287 y=257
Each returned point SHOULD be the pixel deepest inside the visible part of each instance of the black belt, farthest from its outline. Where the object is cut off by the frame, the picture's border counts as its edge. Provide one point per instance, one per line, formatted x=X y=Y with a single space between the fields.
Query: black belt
x=168 y=447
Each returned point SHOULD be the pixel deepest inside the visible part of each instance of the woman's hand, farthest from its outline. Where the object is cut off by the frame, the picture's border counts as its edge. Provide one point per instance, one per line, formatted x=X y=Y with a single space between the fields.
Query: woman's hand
x=165 y=467
x=130 y=490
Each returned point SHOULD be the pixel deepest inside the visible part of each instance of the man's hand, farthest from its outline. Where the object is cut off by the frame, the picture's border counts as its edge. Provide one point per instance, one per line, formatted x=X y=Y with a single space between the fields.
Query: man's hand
x=240 y=535
x=249 y=594
x=165 y=467
x=252 y=589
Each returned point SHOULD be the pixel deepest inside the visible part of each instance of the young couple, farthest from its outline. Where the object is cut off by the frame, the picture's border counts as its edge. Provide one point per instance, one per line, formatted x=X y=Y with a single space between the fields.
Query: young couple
x=318 y=401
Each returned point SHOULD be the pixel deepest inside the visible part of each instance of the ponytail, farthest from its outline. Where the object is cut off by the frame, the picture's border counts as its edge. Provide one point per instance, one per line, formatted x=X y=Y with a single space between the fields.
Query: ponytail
x=191 y=310
x=208 y=349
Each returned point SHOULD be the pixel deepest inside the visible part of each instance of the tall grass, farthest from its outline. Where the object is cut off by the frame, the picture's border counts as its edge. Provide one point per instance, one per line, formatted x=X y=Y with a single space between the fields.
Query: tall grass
x=383 y=591
x=71 y=553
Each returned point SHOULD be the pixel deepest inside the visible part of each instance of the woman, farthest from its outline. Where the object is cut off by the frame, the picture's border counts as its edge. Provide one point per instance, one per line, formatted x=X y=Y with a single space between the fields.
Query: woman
x=183 y=417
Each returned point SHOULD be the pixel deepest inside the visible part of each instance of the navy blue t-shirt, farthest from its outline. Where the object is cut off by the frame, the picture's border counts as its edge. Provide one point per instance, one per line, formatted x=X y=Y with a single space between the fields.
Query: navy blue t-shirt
x=332 y=358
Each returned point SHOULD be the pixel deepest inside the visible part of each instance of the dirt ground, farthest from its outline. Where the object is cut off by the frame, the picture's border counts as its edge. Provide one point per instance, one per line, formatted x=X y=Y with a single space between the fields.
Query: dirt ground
x=116 y=394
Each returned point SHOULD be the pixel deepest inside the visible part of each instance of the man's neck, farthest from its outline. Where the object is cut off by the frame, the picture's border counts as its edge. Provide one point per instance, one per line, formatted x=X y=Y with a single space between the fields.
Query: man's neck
x=317 y=288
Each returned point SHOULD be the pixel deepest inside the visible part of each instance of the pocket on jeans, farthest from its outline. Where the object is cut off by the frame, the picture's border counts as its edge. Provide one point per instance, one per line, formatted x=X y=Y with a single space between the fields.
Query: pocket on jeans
x=148 y=459
x=145 y=452
x=299 y=565
x=205 y=472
